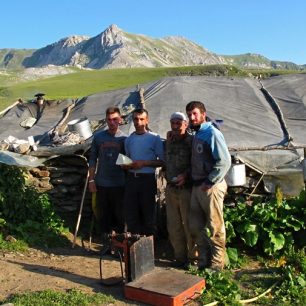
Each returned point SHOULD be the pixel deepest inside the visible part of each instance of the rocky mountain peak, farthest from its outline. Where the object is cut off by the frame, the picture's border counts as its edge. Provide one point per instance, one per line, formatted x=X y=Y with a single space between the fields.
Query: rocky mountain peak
x=114 y=48
x=73 y=40
x=113 y=28
x=113 y=35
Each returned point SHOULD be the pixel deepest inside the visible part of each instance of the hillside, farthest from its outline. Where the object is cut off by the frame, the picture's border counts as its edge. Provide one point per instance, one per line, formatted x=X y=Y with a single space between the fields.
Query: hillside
x=13 y=58
x=257 y=61
x=77 y=83
x=115 y=48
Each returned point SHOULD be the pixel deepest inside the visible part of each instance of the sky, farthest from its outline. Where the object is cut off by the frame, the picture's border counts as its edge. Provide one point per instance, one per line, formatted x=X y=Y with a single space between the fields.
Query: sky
x=275 y=29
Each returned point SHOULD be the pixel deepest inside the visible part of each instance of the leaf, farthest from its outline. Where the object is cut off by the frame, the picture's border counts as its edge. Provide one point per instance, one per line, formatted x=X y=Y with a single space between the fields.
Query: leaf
x=232 y=254
x=230 y=232
x=278 y=240
x=294 y=223
x=250 y=238
x=246 y=227
x=301 y=281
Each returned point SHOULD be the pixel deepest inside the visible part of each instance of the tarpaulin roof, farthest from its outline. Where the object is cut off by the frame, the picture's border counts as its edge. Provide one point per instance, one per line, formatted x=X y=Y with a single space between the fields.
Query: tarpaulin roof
x=256 y=115
x=289 y=93
x=48 y=117
x=250 y=118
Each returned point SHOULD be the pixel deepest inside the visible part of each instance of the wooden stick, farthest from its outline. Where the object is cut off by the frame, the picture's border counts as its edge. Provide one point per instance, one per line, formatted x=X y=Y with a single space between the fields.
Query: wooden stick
x=80 y=211
x=257 y=183
x=142 y=100
x=9 y=107
x=68 y=110
x=304 y=167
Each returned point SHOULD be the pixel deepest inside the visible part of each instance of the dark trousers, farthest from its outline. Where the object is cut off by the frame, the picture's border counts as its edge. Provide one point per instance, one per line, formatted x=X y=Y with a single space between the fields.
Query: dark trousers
x=110 y=209
x=140 y=204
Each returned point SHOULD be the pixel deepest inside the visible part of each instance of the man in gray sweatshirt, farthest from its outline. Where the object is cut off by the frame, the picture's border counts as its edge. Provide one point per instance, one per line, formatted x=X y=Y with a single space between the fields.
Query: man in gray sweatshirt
x=105 y=177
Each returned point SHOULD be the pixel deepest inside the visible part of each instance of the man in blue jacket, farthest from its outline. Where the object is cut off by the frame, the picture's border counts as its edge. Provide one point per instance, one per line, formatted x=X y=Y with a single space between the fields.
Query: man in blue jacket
x=210 y=162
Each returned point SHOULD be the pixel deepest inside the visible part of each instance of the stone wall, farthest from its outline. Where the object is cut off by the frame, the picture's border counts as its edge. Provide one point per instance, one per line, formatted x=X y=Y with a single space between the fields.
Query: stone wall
x=63 y=178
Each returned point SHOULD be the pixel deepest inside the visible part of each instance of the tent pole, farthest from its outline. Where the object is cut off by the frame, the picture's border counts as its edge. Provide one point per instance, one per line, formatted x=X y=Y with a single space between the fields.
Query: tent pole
x=304 y=167
x=80 y=211
x=257 y=184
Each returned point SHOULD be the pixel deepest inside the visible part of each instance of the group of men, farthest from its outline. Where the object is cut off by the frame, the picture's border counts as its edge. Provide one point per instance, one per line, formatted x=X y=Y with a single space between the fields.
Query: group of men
x=195 y=165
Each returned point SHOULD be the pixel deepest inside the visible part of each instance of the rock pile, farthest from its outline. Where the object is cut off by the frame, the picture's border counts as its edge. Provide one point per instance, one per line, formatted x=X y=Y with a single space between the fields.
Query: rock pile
x=63 y=178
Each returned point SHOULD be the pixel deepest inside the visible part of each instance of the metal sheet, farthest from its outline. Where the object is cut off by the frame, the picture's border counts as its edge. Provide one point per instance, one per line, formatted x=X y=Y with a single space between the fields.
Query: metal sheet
x=141 y=257
x=165 y=288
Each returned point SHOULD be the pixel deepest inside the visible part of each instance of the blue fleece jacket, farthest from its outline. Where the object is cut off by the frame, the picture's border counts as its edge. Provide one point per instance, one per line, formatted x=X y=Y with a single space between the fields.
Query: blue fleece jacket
x=210 y=156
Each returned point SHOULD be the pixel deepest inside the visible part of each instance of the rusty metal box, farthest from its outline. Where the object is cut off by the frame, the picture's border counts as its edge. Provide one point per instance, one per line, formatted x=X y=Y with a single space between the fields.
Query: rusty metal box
x=163 y=287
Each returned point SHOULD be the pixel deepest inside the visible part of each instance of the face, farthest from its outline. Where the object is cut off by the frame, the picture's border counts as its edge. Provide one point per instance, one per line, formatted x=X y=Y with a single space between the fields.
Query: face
x=140 y=122
x=178 y=127
x=196 y=117
x=113 y=121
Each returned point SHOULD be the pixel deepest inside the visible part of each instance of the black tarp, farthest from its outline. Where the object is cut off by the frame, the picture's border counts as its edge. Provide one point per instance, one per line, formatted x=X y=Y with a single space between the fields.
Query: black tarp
x=257 y=116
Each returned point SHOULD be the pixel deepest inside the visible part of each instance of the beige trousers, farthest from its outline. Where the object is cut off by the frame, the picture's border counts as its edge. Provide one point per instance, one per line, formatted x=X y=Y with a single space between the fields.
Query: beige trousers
x=207 y=224
x=177 y=209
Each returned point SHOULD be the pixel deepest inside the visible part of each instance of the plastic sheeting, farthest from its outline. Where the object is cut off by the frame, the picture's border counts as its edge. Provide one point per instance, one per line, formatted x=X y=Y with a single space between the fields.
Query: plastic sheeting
x=48 y=117
x=289 y=92
x=252 y=123
x=248 y=119
x=14 y=159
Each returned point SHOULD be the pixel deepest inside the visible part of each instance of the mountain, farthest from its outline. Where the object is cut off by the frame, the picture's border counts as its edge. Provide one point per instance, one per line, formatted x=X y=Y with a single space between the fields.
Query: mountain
x=257 y=61
x=13 y=58
x=114 y=48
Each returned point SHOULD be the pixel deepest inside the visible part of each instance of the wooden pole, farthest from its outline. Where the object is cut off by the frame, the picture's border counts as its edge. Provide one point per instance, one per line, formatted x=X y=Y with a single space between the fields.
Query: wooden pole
x=142 y=100
x=11 y=106
x=304 y=167
x=80 y=211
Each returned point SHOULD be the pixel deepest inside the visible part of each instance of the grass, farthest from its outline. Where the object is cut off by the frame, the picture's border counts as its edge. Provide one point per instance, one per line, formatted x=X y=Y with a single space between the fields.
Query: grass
x=13 y=245
x=54 y=298
x=83 y=83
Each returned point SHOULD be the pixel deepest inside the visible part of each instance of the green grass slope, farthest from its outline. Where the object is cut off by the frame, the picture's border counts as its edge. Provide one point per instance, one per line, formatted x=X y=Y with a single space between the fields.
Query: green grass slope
x=83 y=83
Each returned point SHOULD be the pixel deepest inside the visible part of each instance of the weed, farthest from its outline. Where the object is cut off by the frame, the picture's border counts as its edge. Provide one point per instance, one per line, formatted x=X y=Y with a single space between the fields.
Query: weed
x=53 y=298
x=26 y=214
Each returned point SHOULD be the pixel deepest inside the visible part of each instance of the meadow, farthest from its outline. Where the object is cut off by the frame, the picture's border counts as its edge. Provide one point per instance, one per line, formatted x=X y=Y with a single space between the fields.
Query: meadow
x=82 y=83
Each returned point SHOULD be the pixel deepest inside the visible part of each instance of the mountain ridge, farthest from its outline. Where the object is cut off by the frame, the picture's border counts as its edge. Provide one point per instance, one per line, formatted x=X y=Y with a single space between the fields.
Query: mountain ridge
x=114 y=48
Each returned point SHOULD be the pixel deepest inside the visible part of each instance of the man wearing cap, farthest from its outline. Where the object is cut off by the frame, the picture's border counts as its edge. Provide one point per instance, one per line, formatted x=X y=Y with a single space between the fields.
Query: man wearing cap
x=210 y=162
x=178 y=189
x=145 y=148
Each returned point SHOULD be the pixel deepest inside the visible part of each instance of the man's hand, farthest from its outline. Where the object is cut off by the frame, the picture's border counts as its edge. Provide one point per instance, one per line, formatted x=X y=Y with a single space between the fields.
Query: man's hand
x=92 y=187
x=126 y=167
x=135 y=165
x=138 y=164
x=205 y=187
x=180 y=180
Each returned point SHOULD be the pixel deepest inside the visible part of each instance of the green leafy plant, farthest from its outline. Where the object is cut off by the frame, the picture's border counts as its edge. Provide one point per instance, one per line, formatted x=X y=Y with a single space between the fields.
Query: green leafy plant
x=270 y=226
x=292 y=288
x=25 y=213
x=220 y=286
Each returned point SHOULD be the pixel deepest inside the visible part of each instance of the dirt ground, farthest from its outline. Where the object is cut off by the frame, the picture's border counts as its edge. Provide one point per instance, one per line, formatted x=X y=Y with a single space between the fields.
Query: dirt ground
x=61 y=269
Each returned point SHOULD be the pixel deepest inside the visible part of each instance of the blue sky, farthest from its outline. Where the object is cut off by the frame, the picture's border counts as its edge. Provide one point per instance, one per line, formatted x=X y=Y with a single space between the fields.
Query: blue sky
x=273 y=28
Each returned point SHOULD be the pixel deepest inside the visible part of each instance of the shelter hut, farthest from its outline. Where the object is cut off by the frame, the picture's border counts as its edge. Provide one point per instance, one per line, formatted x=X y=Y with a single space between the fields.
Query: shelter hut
x=263 y=121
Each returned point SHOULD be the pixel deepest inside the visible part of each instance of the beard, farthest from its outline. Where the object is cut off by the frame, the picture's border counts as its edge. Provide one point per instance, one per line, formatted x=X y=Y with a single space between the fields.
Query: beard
x=195 y=127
